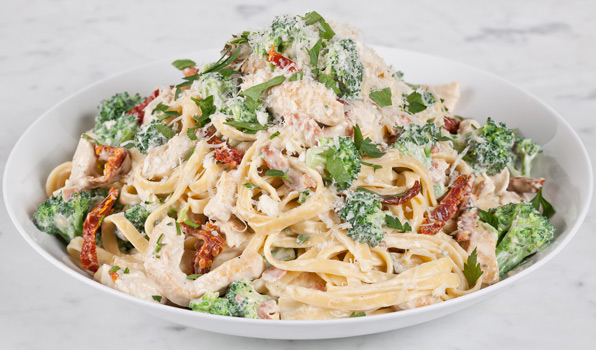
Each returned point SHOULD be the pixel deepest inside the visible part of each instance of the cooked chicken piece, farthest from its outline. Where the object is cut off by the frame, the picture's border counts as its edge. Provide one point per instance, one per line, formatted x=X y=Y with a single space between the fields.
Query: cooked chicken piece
x=235 y=232
x=308 y=97
x=277 y=161
x=366 y=115
x=438 y=171
x=525 y=184
x=303 y=128
x=83 y=162
x=134 y=282
x=162 y=160
x=500 y=181
x=221 y=205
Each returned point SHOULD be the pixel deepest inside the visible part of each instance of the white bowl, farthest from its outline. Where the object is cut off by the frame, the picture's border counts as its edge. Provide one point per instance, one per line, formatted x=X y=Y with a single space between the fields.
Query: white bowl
x=564 y=163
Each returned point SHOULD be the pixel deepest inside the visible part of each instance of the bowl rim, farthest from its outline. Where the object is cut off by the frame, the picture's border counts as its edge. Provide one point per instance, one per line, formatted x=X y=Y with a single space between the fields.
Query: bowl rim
x=478 y=295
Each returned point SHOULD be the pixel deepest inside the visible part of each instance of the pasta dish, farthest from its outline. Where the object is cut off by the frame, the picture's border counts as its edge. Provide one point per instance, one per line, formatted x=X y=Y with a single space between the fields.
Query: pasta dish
x=297 y=177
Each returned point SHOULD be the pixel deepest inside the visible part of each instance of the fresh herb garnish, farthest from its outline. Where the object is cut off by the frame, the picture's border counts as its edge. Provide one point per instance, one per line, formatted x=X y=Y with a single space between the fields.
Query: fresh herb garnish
x=193 y=276
x=278 y=173
x=472 y=270
x=126 y=271
x=324 y=29
x=301 y=239
x=207 y=109
x=418 y=102
x=183 y=64
x=296 y=76
x=329 y=82
x=164 y=130
x=304 y=196
x=393 y=222
x=114 y=269
x=274 y=135
x=191 y=224
x=255 y=92
x=539 y=201
x=251 y=186
x=223 y=62
x=243 y=38
x=190 y=132
x=381 y=97
x=360 y=314
x=313 y=53
x=178 y=231
x=190 y=153
x=159 y=244
x=246 y=127
x=337 y=169
x=156 y=298
x=488 y=218
x=218 y=66
x=165 y=112
x=374 y=166
x=365 y=146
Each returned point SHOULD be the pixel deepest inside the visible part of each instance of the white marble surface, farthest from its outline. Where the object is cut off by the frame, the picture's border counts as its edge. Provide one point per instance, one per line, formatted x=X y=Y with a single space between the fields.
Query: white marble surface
x=50 y=49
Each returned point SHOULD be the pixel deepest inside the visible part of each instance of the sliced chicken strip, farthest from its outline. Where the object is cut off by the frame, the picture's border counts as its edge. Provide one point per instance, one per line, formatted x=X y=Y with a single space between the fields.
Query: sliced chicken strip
x=221 y=205
x=160 y=161
x=308 y=97
x=525 y=184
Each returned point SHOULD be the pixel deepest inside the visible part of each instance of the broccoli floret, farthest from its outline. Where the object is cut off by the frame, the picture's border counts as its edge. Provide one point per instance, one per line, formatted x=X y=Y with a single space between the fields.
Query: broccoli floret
x=524 y=153
x=338 y=157
x=113 y=125
x=137 y=215
x=153 y=135
x=343 y=64
x=363 y=210
x=284 y=30
x=116 y=132
x=240 y=111
x=503 y=216
x=216 y=85
x=245 y=299
x=489 y=147
x=525 y=232
x=211 y=303
x=65 y=218
x=241 y=300
x=417 y=141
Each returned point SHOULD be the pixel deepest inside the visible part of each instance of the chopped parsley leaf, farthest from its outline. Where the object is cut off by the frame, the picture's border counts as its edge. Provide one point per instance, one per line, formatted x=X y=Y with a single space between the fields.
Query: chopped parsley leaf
x=381 y=97
x=183 y=64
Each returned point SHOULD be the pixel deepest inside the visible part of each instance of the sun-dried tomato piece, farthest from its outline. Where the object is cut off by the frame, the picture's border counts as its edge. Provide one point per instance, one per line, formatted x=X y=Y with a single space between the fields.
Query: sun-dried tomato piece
x=90 y=226
x=228 y=154
x=281 y=61
x=212 y=246
x=114 y=158
x=402 y=198
x=450 y=124
x=225 y=153
x=460 y=190
x=139 y=110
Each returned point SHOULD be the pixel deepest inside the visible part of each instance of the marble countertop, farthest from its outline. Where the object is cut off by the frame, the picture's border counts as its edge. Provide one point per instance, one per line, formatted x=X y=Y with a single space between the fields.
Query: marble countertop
x=50 y=49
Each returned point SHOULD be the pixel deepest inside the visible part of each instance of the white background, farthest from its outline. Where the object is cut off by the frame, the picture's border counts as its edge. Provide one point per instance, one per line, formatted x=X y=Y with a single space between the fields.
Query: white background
x=51 y=49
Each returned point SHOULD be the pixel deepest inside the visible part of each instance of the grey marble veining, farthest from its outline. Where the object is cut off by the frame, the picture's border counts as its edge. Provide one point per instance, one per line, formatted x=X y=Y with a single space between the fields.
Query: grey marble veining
x=51 y=49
